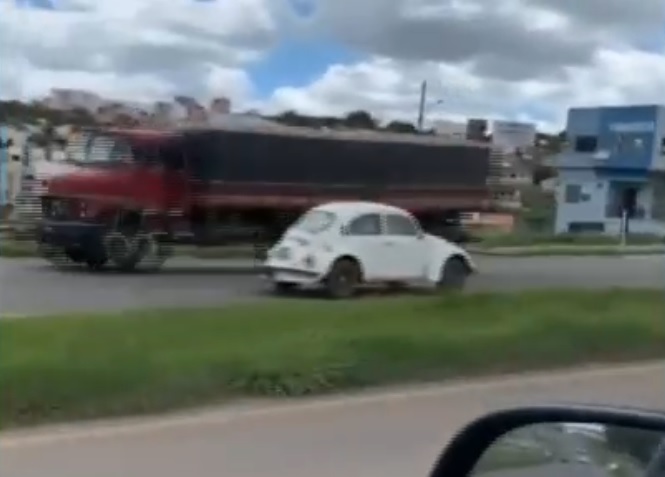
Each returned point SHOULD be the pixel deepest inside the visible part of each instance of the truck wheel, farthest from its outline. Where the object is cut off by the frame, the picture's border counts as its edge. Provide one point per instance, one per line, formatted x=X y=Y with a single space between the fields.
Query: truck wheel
x=96 y=264
x=454 y=273
x=121 y=251
x=151 y=253
x=343 y=279
x=142 y=250
x=75 y=255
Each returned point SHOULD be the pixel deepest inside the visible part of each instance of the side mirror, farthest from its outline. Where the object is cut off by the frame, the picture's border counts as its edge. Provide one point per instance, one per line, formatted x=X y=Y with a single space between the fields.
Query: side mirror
x=558 y=441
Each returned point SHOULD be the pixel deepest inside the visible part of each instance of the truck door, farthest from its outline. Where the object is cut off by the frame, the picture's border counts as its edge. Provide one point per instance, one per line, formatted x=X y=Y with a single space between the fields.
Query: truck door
x=176 y=196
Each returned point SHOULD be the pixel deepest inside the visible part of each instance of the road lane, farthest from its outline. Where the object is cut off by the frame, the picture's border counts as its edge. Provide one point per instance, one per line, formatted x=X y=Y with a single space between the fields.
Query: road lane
x=33 y=287
x=384 y=435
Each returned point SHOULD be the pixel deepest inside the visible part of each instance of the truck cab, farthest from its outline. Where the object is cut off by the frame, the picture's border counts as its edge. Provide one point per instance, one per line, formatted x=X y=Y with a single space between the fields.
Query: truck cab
x=115 y=205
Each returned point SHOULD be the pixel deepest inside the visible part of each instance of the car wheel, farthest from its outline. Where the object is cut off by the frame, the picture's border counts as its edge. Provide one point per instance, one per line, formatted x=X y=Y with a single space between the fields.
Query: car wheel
x=343 y=279
x=454 y=273
x=283 y=288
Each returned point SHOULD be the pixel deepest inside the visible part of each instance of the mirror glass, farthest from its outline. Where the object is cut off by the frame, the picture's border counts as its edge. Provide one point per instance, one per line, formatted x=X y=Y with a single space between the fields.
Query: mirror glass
x=575 y=450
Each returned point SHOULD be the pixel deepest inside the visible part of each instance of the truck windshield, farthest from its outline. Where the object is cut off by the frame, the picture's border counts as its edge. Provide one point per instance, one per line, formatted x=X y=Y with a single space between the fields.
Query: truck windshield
x=106 y=149
x=315 y=221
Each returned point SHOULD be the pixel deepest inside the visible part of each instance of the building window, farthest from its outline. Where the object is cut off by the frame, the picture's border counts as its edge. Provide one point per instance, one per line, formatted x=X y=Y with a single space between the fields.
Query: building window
x=662 y=147
x=586 y=144
x=629 y=143
x=573 y=193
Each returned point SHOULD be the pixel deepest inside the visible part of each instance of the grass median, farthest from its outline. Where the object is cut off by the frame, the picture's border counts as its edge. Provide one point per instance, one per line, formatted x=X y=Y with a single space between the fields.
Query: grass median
x=88 y=366
x=571 y=239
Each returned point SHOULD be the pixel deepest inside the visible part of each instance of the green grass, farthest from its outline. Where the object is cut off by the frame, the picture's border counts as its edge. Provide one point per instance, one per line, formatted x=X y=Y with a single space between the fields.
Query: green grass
x=10 y=248
x=568 y=250
x=526 y=239
x=86 y=366
x=16 y=249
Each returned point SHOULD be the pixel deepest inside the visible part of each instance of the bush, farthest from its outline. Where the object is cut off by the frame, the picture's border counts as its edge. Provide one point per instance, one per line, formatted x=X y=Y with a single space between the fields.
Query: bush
x=85 y=366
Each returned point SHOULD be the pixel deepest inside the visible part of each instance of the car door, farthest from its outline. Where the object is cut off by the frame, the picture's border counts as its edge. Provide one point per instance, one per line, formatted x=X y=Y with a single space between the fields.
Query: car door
x=408 y=250
x=364 y=237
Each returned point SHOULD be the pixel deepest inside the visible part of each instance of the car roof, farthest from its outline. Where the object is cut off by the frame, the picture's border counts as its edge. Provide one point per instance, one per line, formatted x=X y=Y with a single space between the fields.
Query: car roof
x=353 y=208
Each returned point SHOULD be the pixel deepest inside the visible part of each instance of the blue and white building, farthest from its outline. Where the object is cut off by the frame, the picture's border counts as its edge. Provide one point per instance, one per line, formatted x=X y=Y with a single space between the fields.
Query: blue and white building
x=614 y=161
x=4 y=167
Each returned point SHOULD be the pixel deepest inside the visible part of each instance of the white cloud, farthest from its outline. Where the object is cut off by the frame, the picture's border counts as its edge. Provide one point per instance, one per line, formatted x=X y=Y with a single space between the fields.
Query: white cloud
x=145 y=48
x=527 y=59
x=393 y=88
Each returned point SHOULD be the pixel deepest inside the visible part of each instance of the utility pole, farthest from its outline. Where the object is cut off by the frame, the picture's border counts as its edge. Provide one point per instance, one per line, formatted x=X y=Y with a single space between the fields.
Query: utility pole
x=421 y=106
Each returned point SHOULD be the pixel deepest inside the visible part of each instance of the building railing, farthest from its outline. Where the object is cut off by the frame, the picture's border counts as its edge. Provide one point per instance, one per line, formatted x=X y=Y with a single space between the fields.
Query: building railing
x=614 y=211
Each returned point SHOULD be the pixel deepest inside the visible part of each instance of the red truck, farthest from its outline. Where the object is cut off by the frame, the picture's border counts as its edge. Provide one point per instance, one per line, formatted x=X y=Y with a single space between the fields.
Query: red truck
x=136 y=193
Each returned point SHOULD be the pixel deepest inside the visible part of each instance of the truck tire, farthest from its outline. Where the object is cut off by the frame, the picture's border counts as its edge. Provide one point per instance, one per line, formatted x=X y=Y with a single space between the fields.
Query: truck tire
x=141 y=251
x=453 y=275
x=121 y=251
x=96 y=264
x=75 y=255
x=343 y=279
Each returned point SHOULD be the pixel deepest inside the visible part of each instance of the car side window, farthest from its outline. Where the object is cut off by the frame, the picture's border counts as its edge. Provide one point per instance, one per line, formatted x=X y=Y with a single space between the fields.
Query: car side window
x=364 y=225
x=401 y=225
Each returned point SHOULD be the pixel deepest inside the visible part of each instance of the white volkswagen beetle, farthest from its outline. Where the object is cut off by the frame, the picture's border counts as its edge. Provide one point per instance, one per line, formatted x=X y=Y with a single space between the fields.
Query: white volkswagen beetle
x=343 y=245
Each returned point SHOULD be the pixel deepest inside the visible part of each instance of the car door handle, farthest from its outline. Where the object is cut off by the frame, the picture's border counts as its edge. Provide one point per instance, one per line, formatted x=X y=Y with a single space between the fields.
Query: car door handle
x=388 y=243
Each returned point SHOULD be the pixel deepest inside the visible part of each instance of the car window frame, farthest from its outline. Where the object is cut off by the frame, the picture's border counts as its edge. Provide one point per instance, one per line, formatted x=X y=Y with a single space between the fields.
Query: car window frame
x=346 y=228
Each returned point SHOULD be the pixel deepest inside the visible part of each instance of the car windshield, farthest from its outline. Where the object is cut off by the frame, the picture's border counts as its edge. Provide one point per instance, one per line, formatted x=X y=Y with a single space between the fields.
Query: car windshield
x=315 y=221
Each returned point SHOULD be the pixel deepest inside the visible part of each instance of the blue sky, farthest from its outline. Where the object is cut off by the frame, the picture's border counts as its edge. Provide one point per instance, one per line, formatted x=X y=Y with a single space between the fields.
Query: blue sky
x=296 y=63
x=293 y=62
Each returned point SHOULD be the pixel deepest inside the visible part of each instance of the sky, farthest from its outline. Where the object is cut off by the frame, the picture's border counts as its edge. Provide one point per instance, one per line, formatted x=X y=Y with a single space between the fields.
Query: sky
x=524 y=60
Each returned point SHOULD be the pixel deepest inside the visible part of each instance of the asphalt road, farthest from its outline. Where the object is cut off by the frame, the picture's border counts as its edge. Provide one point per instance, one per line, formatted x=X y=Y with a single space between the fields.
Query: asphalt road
x=34 y=287
x=393 y=434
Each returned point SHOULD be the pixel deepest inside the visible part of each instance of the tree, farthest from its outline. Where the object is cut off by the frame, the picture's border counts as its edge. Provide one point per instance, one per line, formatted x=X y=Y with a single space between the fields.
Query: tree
x=359 y=120
x=401 y=127
x=542 y=173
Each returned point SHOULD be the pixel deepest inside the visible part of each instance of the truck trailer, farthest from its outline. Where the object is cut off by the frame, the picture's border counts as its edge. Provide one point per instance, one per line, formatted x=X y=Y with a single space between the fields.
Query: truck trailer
x=137 y=192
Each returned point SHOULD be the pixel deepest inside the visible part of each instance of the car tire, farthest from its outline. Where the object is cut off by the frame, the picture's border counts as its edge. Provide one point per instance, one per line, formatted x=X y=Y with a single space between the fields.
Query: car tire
x=454 y=274
x=343 y=279
x=283 y=288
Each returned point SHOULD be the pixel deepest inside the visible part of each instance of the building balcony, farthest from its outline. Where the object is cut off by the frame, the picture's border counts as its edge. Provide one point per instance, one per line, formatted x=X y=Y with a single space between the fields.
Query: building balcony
x=576 y=160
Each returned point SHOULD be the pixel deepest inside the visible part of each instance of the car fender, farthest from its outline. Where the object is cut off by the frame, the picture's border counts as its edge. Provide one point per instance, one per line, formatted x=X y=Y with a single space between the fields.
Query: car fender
x=342 y=253
x=440 y=251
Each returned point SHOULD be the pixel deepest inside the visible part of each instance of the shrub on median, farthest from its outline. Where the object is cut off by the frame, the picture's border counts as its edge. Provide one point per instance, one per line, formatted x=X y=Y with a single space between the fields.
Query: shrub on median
x=60 y=368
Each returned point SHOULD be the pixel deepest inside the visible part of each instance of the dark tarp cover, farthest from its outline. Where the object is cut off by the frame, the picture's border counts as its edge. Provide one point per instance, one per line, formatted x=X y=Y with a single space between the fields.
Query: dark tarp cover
x=250 y=157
